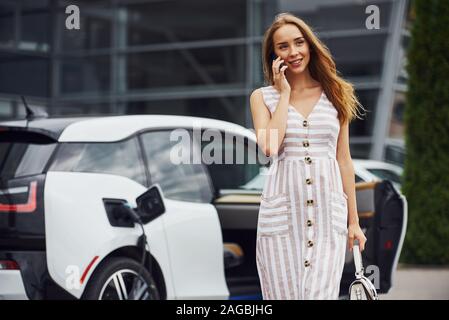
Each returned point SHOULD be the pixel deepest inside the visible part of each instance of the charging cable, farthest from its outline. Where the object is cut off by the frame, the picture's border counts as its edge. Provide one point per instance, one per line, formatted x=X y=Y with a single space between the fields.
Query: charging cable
x=136 y=218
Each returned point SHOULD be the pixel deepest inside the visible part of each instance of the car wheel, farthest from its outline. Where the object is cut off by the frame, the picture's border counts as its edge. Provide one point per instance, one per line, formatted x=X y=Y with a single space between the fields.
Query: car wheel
x=118 y=279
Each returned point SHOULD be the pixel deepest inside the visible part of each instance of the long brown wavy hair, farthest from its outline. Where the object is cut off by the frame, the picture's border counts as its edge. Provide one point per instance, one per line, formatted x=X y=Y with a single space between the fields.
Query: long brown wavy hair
x=321 y=67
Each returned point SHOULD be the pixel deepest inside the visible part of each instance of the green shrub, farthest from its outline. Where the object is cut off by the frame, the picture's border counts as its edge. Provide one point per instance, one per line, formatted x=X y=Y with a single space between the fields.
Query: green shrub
x=426 y=172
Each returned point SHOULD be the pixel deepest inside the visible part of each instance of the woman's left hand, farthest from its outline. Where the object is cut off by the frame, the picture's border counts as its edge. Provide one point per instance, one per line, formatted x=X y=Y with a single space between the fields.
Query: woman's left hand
x=356 y=233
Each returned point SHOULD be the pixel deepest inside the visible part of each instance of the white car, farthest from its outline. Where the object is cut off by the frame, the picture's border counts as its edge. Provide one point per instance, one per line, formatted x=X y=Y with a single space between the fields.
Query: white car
x=364 y=170
x=66 y=231
x=372 y=170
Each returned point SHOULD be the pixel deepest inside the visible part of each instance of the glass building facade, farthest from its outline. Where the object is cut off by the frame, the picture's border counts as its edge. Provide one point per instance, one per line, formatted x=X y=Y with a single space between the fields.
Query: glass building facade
x=373 y=60
x=196 y=57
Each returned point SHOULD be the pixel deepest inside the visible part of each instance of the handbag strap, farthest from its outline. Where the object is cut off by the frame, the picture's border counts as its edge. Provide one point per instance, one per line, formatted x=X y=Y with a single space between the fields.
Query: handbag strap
x=358 y=261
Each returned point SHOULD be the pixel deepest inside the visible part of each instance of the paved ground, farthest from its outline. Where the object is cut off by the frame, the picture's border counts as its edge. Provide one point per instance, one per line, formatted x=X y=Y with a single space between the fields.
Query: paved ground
x=419 y=283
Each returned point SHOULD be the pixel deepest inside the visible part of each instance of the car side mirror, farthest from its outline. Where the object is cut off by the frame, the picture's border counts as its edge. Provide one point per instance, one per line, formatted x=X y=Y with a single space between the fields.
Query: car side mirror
x=150 y=204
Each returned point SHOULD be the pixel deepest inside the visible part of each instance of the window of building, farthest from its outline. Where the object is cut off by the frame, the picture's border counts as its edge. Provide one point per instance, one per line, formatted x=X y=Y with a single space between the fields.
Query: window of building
x=230 y=109
x=157 y=22
x=88 y=74
x=186 y=67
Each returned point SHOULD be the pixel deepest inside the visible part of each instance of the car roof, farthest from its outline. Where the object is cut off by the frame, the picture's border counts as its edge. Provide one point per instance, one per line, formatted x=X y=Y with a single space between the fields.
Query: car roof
x=52 y=127
x=375 y=164
x=116 y=128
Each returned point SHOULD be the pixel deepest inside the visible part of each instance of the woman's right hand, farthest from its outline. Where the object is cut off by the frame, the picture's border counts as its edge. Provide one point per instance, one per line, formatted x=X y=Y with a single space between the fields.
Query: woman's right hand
x=280 y=81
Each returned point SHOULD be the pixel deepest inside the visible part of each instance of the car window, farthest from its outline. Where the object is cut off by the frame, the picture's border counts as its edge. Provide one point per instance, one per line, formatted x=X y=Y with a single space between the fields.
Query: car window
x=386 y=174
x=395 y=155
x=187 y=181
x=235 y=166
x=119 y=158
x=22 y=158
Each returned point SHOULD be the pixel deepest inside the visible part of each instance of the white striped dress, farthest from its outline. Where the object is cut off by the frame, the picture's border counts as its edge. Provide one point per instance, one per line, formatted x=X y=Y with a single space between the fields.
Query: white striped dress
x=302 y=224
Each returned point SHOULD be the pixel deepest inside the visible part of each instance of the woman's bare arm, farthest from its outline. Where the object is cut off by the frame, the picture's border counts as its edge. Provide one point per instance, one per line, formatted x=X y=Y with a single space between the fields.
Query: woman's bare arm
x=348 y=178
x=270 y=130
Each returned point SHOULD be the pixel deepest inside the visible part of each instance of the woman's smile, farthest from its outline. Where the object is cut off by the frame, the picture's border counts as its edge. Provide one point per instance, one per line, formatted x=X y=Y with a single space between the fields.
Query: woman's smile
x=296 y=63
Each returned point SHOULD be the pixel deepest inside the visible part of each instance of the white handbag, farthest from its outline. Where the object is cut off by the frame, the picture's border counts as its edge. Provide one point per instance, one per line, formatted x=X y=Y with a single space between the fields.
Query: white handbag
x=361 y=288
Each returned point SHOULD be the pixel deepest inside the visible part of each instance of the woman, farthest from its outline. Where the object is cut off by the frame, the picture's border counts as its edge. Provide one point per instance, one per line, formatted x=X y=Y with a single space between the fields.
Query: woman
x=308 y=207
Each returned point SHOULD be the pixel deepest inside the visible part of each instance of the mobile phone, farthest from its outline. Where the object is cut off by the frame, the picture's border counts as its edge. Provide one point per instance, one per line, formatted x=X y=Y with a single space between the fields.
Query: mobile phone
x=274 y=57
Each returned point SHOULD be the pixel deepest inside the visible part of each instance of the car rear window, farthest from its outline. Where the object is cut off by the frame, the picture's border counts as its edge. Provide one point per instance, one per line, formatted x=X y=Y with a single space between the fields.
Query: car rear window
x=23 y=155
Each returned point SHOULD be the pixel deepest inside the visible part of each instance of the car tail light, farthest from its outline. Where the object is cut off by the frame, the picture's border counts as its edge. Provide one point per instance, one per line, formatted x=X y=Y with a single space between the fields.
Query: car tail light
x=29 y=206
x=8 y=265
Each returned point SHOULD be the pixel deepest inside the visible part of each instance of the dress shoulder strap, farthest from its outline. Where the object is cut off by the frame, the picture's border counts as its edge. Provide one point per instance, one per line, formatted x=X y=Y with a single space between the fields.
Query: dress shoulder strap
x=270 y=97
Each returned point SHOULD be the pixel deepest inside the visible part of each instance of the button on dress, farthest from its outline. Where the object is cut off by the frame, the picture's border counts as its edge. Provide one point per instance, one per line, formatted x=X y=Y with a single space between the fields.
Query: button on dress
x=302 y=222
